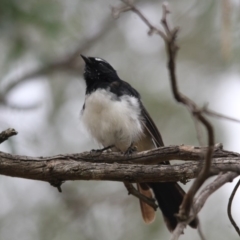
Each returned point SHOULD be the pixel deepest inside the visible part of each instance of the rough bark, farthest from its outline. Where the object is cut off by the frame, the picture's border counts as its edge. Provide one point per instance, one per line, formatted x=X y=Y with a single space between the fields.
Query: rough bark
x=140 y=167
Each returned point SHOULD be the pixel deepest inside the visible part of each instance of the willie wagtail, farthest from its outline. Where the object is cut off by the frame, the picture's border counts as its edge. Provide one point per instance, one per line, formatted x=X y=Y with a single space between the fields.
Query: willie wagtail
x=115 y=116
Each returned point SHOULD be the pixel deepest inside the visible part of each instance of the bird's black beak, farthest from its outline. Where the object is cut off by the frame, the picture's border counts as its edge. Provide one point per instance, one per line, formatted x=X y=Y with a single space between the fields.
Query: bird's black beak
x=86 y=59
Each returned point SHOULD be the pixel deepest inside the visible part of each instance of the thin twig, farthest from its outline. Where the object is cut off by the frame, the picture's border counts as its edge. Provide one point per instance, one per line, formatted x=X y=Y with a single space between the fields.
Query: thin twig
x=152 y=29
x=201 y=200
x=219 y=115
x=132 y=190
x=178 y=231
x=203 y=175
x=116 y=11
x=230 y=206
x=198 y=131
x=200 y=232
x=4 y=135
x=164 y=18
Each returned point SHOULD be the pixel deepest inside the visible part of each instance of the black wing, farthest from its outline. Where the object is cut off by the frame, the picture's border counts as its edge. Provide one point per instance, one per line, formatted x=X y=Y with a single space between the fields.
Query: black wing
x=152 y=128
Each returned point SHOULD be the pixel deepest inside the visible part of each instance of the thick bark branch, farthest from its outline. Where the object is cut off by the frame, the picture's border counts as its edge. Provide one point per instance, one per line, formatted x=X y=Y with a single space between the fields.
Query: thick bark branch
x=154 y=156
x=117 y=167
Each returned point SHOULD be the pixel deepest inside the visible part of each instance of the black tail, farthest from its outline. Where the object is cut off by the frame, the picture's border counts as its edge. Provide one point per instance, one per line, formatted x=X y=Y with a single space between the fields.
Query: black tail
x=169 y=196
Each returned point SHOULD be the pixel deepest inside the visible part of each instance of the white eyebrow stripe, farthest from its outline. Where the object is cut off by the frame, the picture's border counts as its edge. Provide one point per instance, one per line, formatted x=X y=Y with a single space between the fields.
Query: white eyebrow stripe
x=100 y=60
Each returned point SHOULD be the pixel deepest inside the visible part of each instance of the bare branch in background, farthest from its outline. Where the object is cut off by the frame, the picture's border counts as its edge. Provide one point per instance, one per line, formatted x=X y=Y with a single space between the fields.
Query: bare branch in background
x=203 y=175
x=152 y=29
x=219 y=115
x=116 y=11
x=132 y=190
x=128 y=6
x=169 y=36
x=202 y=198
x=66 y=63
x=198 y=131
x=4 y=135
x=226 y=24
x=201 y=162
x=230 y=206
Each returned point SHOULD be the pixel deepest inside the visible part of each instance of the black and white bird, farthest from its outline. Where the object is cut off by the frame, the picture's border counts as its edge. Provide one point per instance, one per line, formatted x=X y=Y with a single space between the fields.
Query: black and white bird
x=115 y=116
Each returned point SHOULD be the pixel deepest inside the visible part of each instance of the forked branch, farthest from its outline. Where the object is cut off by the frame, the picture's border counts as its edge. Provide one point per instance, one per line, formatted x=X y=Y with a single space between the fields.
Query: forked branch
x=169 y=35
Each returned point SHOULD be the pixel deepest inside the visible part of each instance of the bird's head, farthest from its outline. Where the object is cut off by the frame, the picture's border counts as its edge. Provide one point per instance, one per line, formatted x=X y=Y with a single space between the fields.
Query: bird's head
x=97 y=69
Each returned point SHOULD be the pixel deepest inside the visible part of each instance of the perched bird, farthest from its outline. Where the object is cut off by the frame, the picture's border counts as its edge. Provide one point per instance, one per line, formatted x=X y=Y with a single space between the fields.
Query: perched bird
x=115 y=116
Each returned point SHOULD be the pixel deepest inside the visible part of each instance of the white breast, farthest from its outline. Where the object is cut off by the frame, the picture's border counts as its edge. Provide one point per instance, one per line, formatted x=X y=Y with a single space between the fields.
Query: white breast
x=111 y=120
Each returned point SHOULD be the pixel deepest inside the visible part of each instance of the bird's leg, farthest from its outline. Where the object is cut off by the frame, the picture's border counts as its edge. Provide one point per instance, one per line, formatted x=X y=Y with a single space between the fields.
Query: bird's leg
x=131 y=150
x=101 y=150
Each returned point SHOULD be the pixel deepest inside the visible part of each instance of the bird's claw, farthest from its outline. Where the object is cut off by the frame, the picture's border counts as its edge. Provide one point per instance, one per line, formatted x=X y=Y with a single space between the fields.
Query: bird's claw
x=130 y=150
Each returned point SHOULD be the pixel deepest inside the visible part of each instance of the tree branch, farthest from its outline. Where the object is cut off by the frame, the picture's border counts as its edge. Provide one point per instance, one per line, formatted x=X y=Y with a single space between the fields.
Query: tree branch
x=152 y=29
x=111 y=167
x=201 y=199
x=66 y=63
x=157 y=155
x=172 y=49
x=230 y=206
x=219 y=115
x=169 y=36
x=132 y=190
x=4 y=135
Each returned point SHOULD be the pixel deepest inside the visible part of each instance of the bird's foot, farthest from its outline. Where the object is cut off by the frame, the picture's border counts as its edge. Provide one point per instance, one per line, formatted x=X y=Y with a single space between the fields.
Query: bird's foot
x=101 y=150
x=130 y=150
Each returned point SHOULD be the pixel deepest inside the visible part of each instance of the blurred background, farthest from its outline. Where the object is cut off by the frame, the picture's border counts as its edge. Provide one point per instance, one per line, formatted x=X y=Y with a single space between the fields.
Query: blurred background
x=42 y=93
